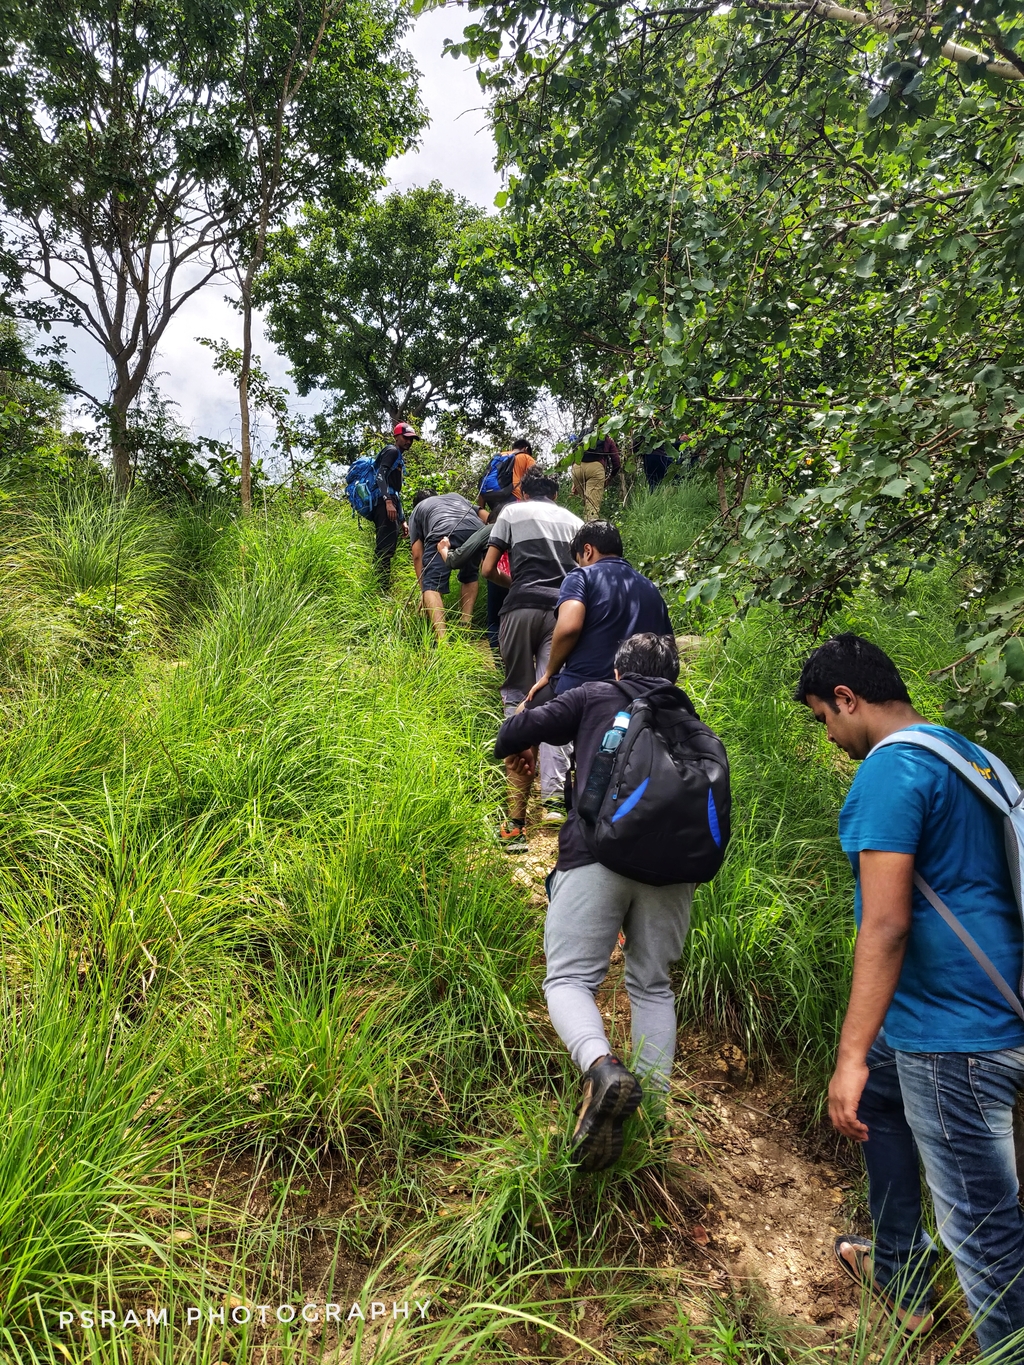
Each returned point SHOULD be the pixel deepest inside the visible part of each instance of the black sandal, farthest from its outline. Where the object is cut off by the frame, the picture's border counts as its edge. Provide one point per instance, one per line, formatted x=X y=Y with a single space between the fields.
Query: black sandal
x=862 y=1275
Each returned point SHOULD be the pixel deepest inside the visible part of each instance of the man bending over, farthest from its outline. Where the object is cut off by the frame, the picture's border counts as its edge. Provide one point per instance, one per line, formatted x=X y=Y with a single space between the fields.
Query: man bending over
x=452 y=518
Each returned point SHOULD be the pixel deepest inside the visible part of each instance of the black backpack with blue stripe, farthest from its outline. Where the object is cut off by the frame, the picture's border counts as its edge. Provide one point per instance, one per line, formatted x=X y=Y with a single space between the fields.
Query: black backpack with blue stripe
x=665 y=816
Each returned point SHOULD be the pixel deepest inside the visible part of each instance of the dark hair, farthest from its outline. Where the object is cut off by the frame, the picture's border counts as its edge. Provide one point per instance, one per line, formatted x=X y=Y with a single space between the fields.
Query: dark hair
x=850 y=661
x=523 y=444
x=602 y=535
x=652 y=656
x=538 y=485
x=422 y=494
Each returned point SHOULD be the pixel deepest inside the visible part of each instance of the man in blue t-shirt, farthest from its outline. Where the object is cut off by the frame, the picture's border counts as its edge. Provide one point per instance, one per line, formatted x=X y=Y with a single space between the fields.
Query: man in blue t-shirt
x=600 y=603
x=931 y=1056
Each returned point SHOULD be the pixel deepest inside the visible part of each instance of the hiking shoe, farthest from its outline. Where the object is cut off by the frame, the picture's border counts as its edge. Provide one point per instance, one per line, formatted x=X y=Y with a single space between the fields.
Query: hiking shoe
x=610 y=1095
x=553 y=811
x=512 y=837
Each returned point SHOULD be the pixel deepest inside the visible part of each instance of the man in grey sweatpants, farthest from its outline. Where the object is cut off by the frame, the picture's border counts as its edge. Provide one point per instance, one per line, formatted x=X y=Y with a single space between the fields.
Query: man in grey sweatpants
x=589 y=904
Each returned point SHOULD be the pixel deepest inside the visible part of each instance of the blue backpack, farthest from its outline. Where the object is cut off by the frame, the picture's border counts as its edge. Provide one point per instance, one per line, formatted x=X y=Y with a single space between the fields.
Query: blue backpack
x=497 y=476
x=361 y=486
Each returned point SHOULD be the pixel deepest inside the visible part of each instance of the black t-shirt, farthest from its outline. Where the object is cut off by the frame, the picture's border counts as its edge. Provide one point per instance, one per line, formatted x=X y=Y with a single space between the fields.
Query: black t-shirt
x=389 y=470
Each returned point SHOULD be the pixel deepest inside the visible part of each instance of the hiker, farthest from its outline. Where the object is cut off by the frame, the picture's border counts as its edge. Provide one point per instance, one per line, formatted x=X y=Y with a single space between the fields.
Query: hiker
x=931 y=1054
x=436 y=517
x=501 y=484
x=601 y=602
x=590 y=900
x=387 y=511
x=659 y=461
x=598 y=464
x=536 y=535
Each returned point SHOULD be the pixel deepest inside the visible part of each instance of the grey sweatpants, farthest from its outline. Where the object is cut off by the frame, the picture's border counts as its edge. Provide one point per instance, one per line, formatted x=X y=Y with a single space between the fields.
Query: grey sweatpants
x=587 y=908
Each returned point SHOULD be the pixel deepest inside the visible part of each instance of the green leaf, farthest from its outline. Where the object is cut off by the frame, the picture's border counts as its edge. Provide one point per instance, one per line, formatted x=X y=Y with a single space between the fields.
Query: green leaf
x=501 y=199
x=992 y=674
x=895 y=488
x=879 y=104
x=780 y=586
x=865 y=265
x=1013 y=657
x=1007 y=600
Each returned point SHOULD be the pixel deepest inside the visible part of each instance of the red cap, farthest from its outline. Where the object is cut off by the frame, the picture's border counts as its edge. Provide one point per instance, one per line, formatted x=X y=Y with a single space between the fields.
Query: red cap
x=404 y=429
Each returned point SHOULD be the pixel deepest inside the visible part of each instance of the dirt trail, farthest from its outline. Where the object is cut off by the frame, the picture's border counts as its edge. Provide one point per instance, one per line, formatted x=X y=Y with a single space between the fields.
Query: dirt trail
x=771 y=1205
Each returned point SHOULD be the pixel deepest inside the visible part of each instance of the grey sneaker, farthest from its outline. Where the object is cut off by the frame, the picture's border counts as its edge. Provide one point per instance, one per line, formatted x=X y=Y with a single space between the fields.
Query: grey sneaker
x=553 y=811
x=610 y=1095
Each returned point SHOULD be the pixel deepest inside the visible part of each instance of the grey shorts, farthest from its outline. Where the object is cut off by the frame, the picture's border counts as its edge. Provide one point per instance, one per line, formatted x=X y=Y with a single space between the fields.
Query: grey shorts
x=437 y=574
x=524 y=639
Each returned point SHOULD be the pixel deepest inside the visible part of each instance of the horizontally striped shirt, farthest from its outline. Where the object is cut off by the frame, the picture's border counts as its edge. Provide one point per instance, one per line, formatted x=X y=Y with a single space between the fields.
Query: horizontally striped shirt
x=535 y=534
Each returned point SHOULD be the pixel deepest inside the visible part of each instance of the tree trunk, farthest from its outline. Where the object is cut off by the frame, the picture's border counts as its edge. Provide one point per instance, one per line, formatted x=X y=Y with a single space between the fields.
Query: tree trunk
x=120 y=447
x=243 y=393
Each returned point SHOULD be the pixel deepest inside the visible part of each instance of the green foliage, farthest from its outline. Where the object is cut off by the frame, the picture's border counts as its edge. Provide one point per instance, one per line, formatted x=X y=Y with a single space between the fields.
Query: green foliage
x=822 y=287
x=271 y=1013
x=145 y=143
x=400 y=311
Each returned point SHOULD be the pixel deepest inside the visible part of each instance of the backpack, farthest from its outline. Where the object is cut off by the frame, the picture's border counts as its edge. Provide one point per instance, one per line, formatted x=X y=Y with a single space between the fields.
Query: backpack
x=665 y=816
x=362 y=487
x=1012 y=811
x=497 y=476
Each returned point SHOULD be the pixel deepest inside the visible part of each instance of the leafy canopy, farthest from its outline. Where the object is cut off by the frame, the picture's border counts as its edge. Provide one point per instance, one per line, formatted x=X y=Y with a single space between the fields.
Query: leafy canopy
x=804 y=241
x=401 y=311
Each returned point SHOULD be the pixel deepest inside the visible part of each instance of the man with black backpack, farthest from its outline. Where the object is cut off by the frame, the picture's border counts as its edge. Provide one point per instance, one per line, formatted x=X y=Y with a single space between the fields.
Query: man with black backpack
x=931 y=1055
x=650 y=818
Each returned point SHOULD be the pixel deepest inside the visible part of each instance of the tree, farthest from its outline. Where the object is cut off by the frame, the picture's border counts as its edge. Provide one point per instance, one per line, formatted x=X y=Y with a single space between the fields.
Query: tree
x=114 y=137
x=816 y=236
x=322 y=100
x=400 y=311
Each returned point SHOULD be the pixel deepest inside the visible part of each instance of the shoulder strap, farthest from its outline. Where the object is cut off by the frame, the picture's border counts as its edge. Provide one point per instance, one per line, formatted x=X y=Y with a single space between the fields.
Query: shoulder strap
x=976 y=951
x=1004 y=806
x=960 y=765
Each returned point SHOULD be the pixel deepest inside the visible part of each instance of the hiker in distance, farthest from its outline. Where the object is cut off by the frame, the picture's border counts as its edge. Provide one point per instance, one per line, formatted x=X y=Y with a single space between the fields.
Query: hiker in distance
x=452 y=518
x=500 y=484
x=536 y=535
x=650 y=818
x=599 y=462
x=601 y=602
x=931 y=1054
x=387 y=511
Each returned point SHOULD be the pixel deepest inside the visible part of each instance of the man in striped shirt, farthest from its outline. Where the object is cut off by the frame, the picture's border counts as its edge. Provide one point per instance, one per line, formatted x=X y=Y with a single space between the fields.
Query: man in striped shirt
x=536 y=534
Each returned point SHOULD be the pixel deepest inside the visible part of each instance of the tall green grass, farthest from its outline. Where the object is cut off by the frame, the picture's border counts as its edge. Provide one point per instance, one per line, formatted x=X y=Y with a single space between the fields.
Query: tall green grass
x=270 y=1007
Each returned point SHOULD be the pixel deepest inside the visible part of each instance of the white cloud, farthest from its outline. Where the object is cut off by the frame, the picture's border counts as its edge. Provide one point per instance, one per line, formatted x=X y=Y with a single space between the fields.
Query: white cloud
x=457 y=148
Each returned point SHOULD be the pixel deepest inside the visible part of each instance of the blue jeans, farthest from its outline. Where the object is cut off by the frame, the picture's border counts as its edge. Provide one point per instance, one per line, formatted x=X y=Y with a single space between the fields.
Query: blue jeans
x=959 y=1113
x=903 y=1254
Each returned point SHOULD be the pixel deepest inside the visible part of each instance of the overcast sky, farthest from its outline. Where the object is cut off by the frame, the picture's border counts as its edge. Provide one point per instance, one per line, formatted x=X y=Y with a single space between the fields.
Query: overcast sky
x=456 y=148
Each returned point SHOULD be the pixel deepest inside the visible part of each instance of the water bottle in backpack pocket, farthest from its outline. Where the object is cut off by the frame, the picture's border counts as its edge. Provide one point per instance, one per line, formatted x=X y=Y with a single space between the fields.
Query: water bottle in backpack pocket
x=588 y=804
x=664 y=814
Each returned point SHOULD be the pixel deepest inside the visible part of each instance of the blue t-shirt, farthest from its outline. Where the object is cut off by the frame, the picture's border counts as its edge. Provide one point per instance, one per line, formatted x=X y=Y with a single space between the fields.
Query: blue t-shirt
x=907 y=800
x=620 y=602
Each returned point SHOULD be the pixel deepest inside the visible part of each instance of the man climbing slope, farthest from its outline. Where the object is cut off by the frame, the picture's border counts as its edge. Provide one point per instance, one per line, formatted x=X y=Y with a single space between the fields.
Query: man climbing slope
x=436 y=517
x=536 y=535
x=601 y=602
x=387 y=512
x=589 y=901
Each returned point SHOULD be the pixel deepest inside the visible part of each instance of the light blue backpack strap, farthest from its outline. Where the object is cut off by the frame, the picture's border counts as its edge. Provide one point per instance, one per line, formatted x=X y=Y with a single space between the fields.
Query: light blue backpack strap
x=955 y=760
x=975 y=950
x=1012 y=812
